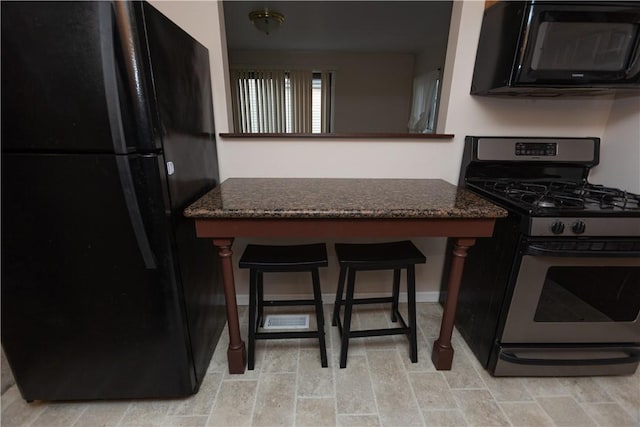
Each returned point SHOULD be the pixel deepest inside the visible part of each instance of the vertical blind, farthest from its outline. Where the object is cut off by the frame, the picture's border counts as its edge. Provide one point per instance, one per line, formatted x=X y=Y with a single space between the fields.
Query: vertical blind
x=301 y=88
x=279 y=101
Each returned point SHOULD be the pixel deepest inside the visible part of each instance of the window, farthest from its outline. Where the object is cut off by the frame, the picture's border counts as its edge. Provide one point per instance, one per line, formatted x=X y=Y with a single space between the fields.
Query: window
x=281 y=101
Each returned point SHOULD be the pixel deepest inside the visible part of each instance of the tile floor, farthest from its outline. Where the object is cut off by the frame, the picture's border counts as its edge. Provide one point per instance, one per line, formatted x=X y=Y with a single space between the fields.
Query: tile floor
x=379 y=387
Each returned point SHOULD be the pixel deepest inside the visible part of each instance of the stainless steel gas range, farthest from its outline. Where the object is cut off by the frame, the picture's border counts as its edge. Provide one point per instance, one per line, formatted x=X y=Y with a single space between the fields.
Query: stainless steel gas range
x=556 y=291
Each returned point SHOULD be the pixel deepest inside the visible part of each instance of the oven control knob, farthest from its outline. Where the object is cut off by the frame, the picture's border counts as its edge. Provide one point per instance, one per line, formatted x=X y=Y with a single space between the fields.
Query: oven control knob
x=578 y=227
x=557 y=227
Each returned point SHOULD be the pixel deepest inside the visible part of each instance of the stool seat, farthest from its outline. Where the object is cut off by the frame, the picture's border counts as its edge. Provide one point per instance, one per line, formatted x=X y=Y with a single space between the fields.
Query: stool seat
x=261 y=259
x=273 y=257
x=396 y=256
x=380 y=256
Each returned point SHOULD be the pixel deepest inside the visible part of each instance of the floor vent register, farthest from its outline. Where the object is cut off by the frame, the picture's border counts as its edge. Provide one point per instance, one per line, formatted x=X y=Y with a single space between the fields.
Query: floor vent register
x=287 y=321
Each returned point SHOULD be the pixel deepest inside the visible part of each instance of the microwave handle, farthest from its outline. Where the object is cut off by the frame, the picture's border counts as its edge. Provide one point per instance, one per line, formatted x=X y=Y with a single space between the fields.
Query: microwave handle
x=634 y=68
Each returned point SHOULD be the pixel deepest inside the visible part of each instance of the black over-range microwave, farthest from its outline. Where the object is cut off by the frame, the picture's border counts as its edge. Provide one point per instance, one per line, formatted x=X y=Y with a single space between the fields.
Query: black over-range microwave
x=549 y=48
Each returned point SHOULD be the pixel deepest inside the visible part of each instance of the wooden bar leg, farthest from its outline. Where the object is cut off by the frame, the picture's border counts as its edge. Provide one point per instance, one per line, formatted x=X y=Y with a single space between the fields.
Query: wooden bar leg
x=236 y=353
x=442 y=354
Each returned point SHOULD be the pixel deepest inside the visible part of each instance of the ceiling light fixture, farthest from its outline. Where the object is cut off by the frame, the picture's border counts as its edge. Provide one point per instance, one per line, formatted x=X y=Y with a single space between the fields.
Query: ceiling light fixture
x=266 y=20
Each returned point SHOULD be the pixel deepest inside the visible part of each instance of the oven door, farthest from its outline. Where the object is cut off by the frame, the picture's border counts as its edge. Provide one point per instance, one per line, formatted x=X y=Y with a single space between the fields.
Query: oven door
x=582 y=291
x=574 y=310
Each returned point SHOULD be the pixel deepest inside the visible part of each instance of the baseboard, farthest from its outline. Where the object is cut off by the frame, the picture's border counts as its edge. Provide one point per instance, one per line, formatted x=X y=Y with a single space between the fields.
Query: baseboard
x=329 y=298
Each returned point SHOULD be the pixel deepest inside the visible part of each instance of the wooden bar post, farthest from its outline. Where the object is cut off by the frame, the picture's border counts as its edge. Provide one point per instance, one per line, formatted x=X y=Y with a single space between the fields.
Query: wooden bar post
x=442 y=354
x=236 y=352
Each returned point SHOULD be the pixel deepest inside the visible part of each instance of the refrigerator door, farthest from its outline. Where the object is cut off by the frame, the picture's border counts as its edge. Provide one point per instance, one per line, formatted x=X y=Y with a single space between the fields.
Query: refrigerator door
x=181 y=74
x=91 y=304
x=182 y=89
x=199 y=274
x=66 y=86
x=106 y=290
x=183 y=106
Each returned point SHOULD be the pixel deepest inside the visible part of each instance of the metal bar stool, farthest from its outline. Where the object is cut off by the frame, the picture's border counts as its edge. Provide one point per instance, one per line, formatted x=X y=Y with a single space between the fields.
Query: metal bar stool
x=269 y=258
x=396 y=256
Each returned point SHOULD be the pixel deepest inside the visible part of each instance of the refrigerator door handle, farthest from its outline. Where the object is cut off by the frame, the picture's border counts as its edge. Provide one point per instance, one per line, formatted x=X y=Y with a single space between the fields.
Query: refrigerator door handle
x=110 y=78
x=129 y=36
x=128 y=190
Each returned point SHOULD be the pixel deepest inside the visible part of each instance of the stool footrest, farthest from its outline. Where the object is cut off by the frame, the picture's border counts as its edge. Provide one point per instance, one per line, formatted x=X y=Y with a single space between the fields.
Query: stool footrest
x=281 y=335
x=400 y=318
x=373 y=300
x=288 y=302
x=378 y=332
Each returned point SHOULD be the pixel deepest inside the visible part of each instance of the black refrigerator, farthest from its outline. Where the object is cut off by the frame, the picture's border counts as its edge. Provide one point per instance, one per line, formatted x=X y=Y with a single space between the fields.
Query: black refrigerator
x=107 y=135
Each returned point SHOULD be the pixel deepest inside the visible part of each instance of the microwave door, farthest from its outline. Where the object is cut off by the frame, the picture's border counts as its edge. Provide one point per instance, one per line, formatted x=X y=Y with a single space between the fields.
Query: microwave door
x=568 y=45
x=580 y=52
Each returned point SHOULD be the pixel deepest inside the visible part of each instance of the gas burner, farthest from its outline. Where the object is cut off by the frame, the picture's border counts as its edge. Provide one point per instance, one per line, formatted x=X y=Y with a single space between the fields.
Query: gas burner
x=559 y=201
x=611 y=198
x=545 y=203
x=625 y=203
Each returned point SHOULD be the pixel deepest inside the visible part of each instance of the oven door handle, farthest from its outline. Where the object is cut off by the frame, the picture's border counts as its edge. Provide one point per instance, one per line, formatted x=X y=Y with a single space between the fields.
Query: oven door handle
x=633 y=357
x=558 y=250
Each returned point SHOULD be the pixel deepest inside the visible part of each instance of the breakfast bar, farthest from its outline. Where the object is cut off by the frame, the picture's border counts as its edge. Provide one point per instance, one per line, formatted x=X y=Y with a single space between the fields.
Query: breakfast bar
x=322 y=208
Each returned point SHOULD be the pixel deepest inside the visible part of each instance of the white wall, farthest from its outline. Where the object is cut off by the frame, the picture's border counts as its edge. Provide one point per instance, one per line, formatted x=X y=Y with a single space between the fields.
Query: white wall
x=461 y=114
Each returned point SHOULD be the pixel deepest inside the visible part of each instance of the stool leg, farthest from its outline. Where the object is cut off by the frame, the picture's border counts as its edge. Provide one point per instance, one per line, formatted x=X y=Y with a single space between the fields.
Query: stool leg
x=260 y=286
x=253 y=284
x=346 y=327
x=260 y=299
x=411 y=297
x=339 y=292
x=396 y=294
x=317 y=296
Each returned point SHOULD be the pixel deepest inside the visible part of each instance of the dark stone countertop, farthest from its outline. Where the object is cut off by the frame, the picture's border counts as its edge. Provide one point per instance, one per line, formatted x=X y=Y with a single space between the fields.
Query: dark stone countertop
x=340 y=198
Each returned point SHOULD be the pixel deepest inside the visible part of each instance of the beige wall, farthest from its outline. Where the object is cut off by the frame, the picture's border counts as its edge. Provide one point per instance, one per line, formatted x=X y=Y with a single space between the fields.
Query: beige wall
x=372 y=90
x=620 y=155
x=616 y=121
x=373 y=93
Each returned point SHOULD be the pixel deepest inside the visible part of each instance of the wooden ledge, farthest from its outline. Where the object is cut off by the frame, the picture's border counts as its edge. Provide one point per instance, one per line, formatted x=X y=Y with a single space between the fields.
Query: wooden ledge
x=362 y=136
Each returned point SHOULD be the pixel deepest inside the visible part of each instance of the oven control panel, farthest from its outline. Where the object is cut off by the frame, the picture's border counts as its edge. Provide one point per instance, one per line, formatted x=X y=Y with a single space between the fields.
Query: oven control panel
x=518 y=149
x=536 y=149
x=621 y=227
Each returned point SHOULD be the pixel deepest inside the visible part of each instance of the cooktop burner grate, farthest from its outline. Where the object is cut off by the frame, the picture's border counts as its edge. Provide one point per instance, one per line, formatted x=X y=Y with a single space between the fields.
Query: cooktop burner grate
x=563 y=195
